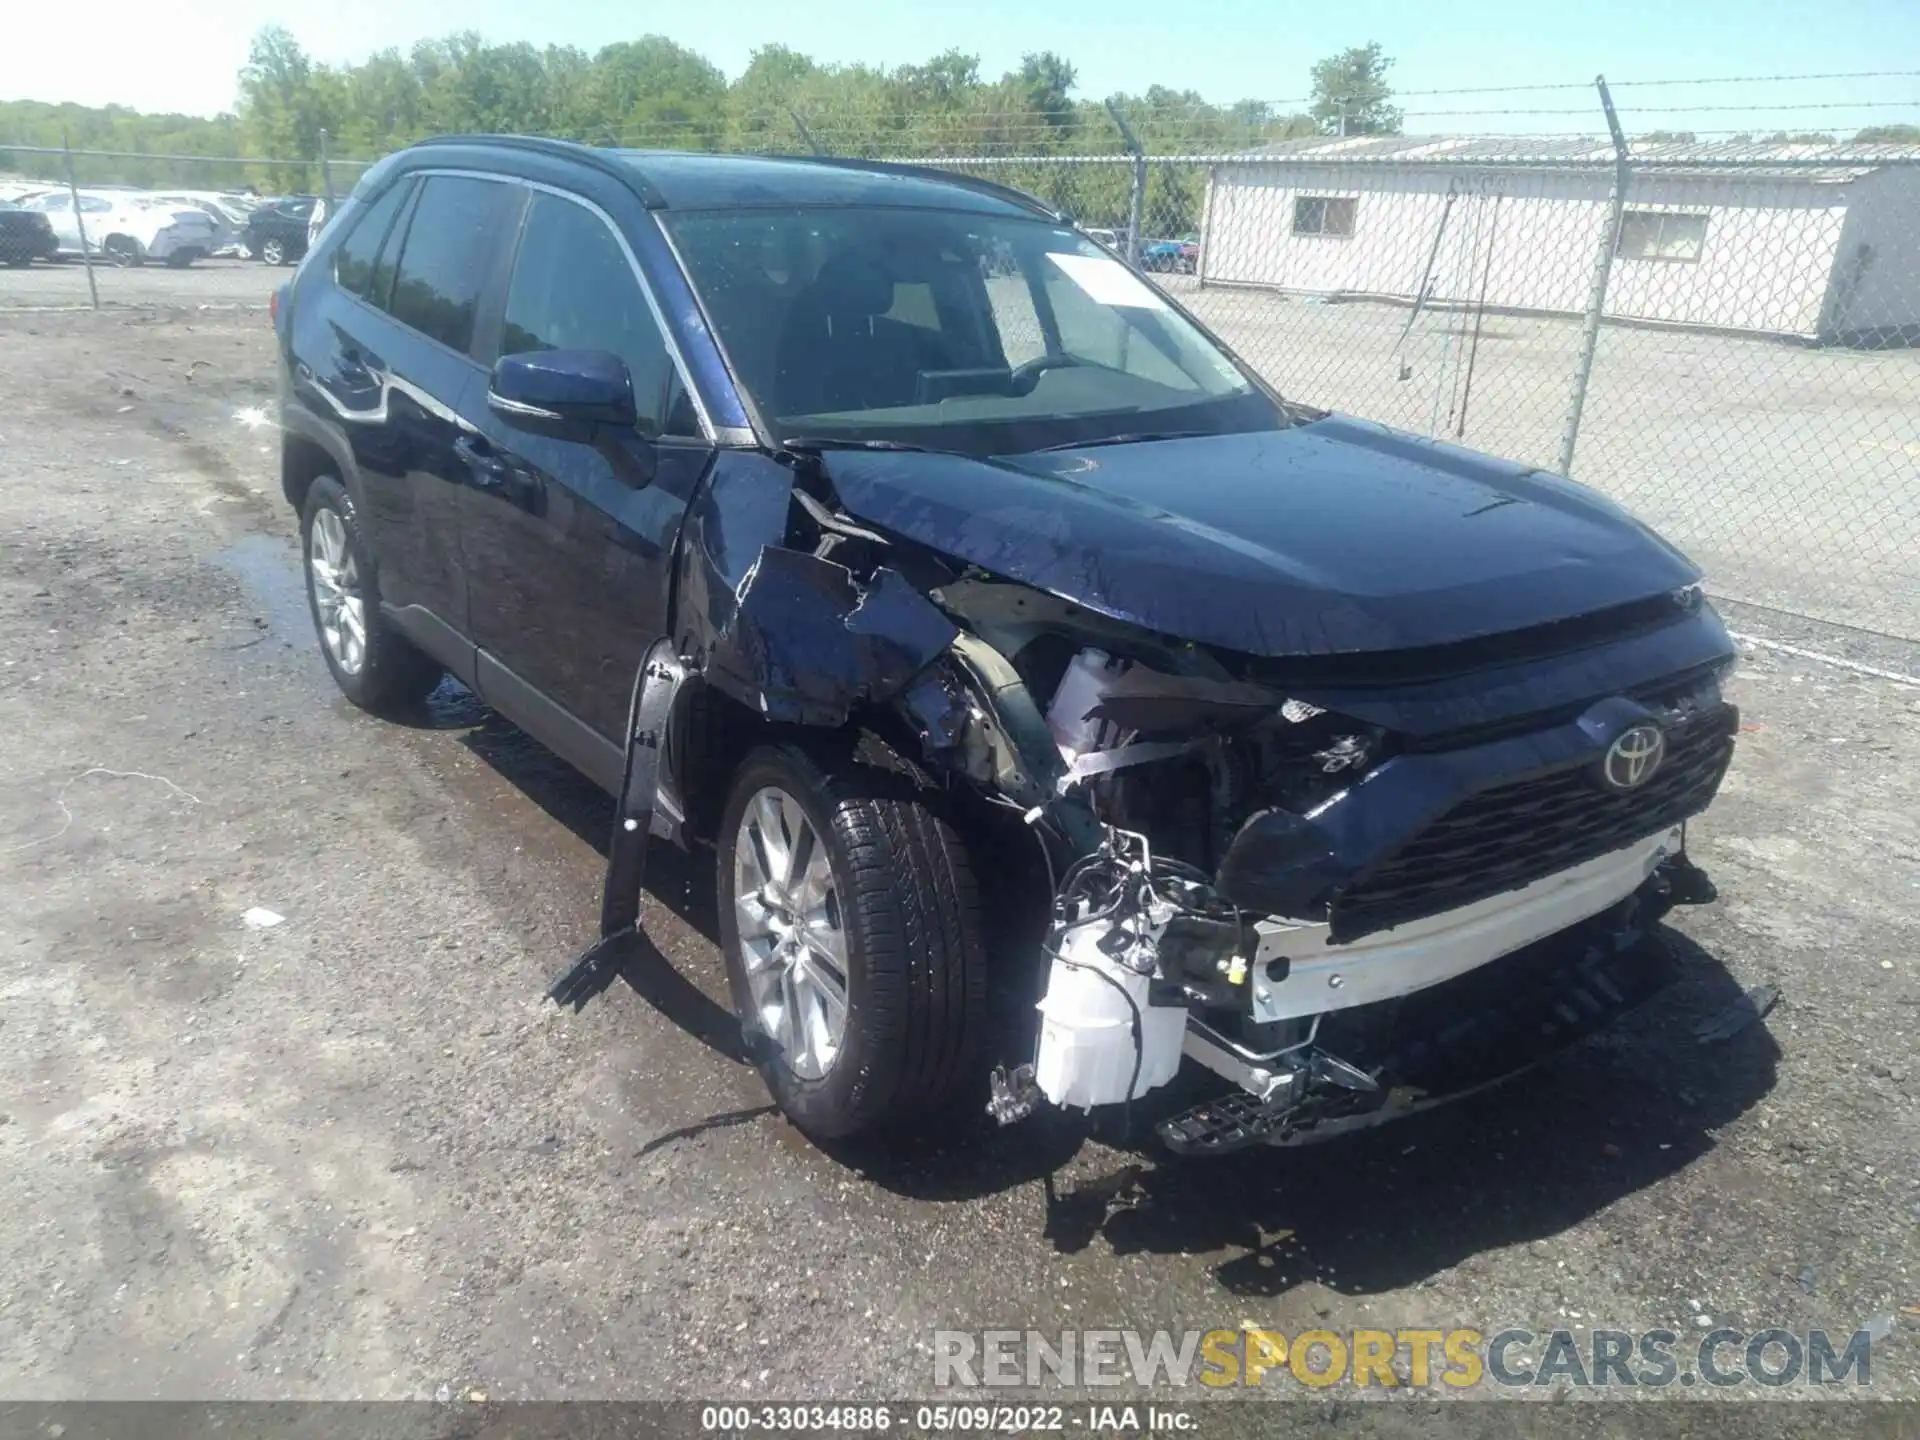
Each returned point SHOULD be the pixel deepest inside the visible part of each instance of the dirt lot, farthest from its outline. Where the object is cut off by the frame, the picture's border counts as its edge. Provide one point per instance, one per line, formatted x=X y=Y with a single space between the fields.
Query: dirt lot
x=215 y=283
x=356 y=1154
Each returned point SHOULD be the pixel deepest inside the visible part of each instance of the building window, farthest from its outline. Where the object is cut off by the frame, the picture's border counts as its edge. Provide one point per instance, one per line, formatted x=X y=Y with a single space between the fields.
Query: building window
x=1660 y=235
x=1323 y=215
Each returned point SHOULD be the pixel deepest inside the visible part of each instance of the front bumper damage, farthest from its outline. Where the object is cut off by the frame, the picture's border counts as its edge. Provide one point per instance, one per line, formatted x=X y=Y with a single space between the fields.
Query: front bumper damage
x=1347 y=899
x=1439 y=1021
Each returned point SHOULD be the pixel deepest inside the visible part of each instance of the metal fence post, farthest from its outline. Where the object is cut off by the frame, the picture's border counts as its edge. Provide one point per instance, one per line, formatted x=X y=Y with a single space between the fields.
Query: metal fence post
x=326 y=172
x=806 y=135
x=79 y=219
x=1136 y=204
x=1602 y=270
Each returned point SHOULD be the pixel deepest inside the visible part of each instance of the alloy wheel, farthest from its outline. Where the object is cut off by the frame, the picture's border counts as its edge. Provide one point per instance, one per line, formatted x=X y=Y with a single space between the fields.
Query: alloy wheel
x=793 y=944
x=337 y=598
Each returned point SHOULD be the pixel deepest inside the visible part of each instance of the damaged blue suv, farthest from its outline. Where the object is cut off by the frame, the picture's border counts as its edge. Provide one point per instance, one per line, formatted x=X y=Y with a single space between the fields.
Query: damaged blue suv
x=1063 y=708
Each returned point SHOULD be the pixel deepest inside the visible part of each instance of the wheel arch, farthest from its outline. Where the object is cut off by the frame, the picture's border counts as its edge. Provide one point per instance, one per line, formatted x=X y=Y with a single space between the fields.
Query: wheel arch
x=309 y=450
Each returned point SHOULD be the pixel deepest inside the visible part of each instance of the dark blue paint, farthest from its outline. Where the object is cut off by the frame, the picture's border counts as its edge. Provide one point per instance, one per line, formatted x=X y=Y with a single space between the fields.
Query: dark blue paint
x=1287 y=864
x=587 y=387
x=1329 y=537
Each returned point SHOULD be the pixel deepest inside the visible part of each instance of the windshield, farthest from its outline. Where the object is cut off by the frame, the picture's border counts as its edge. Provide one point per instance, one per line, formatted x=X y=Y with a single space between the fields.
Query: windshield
x=952 y=330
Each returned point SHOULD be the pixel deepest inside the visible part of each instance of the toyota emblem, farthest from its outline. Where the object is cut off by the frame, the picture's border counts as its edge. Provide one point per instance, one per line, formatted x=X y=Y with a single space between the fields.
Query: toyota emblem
x=1633 y=758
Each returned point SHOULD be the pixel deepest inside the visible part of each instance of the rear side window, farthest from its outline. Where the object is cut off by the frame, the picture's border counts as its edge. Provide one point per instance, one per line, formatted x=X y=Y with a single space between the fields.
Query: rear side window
x=353 y=262
x=574 y=289
x=380 y=289
x=449 y=249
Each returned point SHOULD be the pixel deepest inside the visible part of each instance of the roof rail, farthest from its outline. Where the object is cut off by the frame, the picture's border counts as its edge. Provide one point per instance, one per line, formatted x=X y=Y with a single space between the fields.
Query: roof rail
x=635 y=174
x=592 y=155
x=1030 y=203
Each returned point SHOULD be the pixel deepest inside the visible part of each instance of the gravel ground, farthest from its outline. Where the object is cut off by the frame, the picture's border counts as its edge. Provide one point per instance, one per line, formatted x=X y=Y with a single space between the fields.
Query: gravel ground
x=217 y=284
x=357 y=1155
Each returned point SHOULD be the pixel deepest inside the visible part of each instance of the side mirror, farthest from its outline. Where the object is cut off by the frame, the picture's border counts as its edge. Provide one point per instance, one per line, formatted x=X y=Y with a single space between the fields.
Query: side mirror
x=567 y=394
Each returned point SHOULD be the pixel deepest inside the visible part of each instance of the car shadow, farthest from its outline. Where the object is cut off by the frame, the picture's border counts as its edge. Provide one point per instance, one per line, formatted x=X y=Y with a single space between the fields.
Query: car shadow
x=680 y=880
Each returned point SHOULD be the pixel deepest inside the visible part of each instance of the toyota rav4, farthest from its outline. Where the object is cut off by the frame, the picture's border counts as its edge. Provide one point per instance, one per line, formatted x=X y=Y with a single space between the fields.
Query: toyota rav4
x=1063 y=707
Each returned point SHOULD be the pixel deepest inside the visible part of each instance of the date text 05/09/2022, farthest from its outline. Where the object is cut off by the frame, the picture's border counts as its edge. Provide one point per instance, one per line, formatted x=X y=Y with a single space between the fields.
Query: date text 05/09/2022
x=965 y=1418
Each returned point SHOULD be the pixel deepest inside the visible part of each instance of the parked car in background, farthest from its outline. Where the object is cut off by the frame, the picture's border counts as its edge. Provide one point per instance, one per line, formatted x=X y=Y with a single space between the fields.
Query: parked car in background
x=1175 y=257
x=277 y=230
x=228 y=212
x=1347 y=765
x=25 y=236
x=127 y=227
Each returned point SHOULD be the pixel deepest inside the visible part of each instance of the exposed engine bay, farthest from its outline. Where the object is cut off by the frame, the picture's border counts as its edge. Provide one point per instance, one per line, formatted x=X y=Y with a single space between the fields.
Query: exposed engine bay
x=1326 y=879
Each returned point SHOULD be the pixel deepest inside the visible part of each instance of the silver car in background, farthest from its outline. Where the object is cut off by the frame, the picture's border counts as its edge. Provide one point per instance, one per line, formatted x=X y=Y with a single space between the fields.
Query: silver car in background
x=127 y=227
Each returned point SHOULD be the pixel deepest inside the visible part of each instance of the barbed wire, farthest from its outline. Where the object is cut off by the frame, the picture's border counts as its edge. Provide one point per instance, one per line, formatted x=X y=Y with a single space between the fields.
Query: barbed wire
x=1168 y=128
x=1684 y=109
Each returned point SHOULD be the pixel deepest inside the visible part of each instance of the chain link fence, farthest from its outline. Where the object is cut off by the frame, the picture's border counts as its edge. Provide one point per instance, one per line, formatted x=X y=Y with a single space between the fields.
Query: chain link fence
x=106 y=209
x=1720 y=337
x=1724 y=345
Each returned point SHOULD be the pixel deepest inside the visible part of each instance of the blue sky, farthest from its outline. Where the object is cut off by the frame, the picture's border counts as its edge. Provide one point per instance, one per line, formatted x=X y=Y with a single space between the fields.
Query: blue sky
x=184 y=55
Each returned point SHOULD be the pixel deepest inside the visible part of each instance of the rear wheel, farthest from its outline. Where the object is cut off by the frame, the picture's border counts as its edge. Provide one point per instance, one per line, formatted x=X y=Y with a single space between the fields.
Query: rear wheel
x=375 y=666
x=274 y=252
x=851 y=927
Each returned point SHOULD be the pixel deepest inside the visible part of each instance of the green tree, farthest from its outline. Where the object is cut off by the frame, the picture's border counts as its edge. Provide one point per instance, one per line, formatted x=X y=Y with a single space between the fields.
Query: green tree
x=653 y=92
x=1889 y=135
x=1044 y=84
x=1351 y=94
x=284 y=105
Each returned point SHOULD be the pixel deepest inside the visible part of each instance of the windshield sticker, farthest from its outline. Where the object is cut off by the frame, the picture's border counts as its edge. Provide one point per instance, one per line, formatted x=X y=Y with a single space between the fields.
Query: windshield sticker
x=1108 y=281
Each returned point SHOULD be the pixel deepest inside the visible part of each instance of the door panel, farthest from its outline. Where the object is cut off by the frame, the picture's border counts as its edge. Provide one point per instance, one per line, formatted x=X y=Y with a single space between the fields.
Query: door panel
x=568 y=564
x=397 y=374
x=568 y=544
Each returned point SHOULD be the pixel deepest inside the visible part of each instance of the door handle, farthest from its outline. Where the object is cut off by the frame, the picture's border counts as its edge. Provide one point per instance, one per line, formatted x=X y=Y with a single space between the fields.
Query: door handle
x=498 y=474
x=488 y=469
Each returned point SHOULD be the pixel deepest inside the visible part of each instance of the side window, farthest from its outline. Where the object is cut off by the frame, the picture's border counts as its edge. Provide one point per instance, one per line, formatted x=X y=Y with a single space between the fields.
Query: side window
x=94 y=205
x=448 y=250
x=379 y=290
x=353 y=262
x=573 y=288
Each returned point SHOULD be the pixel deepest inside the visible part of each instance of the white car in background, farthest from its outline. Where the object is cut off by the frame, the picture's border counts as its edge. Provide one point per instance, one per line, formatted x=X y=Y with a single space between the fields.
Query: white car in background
x=228 y=213
x=127 y=227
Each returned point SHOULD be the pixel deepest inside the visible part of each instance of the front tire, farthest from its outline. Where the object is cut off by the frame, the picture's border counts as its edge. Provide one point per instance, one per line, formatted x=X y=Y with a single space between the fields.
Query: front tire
x=274 y=252
x=375 y=666
x=124 y=251
x=851 y=926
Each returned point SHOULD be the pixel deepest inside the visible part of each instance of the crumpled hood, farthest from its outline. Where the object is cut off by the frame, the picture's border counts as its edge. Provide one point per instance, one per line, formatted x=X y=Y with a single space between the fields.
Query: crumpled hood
x=1329 y=537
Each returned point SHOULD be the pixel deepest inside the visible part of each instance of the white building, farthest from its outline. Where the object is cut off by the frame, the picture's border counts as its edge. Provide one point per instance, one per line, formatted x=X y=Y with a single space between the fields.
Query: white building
x=1753 y=238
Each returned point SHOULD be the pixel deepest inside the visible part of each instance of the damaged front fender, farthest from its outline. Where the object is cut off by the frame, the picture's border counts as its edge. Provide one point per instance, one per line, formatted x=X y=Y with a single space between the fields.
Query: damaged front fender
x=807 y=644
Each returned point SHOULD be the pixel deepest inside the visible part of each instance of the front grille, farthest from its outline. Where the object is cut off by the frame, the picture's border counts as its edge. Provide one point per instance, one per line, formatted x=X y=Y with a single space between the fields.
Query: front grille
x=1510 y=836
